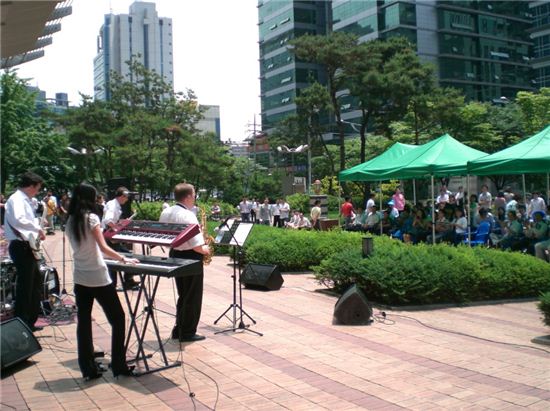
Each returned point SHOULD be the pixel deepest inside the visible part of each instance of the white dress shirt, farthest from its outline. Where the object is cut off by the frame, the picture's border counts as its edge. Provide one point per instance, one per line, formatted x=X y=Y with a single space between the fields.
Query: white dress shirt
x=20 y=216
x=111 y=213
x=179 y=214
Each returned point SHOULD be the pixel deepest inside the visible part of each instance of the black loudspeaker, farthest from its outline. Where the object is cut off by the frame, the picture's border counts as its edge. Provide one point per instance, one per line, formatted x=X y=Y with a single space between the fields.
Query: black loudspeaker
x=17 y=343
x=262 y=277
x=352 y=308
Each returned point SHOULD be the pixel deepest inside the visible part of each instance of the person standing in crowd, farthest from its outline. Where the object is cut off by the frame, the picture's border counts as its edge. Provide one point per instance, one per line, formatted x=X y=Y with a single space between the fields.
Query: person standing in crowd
x=215 y=211
x=276 y=213
x=485 y=199
x=100 y=205
x=347 y=211
x=459 y=197
x=398 y=199
x=443 y=197
x=284 y=208
x=253 y=210
x=92 y=282
x=21 y=230
x=536 y=204
x=370 y=201
x=315 y=215
x=165 y=204
x=50 y=208
x=190 y=288
x=111 y=216
x=244 y=209
x=64 y=203
x=264 y=212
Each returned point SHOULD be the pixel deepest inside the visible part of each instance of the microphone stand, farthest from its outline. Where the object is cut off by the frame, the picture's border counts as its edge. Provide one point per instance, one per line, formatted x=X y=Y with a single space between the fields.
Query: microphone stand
x=234 y=306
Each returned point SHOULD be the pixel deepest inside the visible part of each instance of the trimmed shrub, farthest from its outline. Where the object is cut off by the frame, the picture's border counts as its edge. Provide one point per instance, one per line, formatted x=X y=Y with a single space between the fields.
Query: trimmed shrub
x=544 y=307
x=398 y=273
x=298 y=201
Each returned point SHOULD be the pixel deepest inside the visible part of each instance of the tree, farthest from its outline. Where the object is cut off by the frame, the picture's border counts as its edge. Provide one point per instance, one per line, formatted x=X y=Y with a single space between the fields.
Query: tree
x=332 y=51
x=28 y=141
x=535 y=108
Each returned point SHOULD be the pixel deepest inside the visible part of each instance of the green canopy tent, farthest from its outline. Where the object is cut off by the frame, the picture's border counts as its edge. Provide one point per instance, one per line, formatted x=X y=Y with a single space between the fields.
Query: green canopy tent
x=371 y=169
x=531 y=156
x=441 y=157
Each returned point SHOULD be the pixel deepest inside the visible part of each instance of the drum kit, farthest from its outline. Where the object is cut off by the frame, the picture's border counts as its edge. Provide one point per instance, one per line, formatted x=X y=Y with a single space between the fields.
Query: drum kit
x=49 y=288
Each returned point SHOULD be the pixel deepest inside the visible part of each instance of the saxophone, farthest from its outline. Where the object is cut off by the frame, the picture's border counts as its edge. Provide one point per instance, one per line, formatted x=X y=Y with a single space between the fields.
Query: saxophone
x=208 y=239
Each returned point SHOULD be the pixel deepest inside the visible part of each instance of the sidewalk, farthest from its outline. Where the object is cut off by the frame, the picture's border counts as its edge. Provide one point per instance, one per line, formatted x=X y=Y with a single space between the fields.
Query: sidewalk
x=302 y=362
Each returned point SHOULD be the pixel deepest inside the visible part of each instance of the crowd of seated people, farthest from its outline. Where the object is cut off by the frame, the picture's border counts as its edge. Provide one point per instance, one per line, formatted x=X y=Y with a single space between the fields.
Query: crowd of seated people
x=508 y=222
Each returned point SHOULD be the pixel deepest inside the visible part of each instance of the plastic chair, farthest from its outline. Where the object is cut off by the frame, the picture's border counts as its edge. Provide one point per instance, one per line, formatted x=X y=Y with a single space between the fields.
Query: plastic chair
x=481 y=236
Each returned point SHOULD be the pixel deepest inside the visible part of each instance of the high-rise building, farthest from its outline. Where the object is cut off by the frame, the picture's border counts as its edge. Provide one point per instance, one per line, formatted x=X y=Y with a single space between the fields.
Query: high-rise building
x=480 y=47
x=282 y=76
x=210 y=123
x=540 y=33
x=141 y=35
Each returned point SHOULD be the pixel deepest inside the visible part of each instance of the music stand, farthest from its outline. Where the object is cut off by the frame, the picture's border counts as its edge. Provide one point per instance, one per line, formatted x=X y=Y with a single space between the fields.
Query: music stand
x=235 y=235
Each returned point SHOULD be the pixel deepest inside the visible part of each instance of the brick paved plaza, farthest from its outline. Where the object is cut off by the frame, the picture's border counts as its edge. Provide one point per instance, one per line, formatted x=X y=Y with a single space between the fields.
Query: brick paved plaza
x=302 y=362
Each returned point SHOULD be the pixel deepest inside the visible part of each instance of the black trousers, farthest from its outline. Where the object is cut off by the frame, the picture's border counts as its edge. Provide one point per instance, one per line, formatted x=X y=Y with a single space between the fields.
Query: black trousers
x=108 y=300
x=189 y=305
x=28 y=282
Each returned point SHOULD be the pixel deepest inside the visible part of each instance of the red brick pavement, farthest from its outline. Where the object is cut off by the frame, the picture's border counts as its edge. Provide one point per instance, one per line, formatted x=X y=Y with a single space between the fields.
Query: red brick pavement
x=302 y=362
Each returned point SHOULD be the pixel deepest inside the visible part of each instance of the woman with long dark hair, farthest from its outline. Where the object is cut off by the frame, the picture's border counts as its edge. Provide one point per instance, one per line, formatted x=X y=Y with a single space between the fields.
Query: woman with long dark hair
x=92 y=282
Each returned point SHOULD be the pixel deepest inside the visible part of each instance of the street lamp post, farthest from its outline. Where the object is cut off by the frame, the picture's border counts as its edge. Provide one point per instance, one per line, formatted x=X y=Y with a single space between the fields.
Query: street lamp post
x=84 y=152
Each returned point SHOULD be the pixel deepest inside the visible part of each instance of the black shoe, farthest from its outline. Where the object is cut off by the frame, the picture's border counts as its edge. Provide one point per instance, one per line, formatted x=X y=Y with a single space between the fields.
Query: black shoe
x=93 y=376
x=192 y=338
x=130 y=285
x=35 y=328
x=127 y=372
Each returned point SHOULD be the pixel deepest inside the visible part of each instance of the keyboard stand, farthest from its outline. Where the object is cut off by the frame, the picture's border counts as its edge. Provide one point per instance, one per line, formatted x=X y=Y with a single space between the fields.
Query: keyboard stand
x=147 y=291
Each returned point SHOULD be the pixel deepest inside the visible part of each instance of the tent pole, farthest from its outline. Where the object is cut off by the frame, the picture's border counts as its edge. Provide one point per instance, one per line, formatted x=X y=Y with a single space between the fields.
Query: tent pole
x=468 y=210
x=524 y=193
x=547 y=188
x=433 y=211
x=414 y=191
x=380 y=211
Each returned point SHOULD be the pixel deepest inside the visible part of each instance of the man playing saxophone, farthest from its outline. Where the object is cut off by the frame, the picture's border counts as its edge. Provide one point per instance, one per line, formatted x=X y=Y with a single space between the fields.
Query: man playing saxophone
x=190 y=288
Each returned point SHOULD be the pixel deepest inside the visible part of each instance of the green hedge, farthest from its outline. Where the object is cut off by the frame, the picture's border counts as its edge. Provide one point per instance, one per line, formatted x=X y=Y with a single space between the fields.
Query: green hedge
x=150 y=210
x=398 y=273
x=544 y=307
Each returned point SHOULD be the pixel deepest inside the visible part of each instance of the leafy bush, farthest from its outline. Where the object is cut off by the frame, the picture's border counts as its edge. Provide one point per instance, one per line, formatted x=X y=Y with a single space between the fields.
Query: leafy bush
x=398 y=273
x=298 y=201
x=544 y=307
x=149 y=210
x=294 y=250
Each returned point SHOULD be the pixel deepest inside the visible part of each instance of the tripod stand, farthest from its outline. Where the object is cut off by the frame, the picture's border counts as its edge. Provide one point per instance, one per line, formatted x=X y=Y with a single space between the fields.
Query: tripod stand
x=238 y=313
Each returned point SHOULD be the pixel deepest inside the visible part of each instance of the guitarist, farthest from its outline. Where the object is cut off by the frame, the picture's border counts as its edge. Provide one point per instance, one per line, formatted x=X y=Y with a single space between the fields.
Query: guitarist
x=22 y=231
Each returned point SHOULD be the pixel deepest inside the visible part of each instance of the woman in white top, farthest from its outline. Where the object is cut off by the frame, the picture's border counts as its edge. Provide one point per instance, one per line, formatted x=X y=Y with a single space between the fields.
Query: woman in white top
x=460 y=224
x=92 y=282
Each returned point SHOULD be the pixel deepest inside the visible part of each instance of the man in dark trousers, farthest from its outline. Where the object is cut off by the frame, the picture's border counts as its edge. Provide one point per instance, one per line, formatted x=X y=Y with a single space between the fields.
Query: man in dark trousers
x=22 y=231
x=189 y=305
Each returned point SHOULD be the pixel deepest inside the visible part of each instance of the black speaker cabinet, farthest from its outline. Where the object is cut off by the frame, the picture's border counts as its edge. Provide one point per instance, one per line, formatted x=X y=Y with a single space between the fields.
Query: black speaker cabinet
x=352 y=308
x=262 y=277
x=17 y=343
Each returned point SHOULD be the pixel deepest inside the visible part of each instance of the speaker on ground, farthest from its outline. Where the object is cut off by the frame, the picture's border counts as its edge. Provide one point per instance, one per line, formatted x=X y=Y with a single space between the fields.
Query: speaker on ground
x=262 y=277
x=352 y=308
x=17 y=343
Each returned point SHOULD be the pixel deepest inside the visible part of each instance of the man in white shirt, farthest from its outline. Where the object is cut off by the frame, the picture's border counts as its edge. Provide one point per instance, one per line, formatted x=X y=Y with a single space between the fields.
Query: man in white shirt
x=485 y=199
x=244 y=209
x=370 y=201
x=536 y=204
x=111 y=216
x=190 y=288
x=21 y=230
x=284 y=209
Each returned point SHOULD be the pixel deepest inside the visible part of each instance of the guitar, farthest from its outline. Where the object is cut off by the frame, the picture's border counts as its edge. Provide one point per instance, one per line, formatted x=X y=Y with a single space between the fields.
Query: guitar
x=36 y=245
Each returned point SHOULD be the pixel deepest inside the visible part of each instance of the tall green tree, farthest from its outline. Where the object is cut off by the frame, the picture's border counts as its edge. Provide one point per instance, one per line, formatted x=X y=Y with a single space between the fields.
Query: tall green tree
x=535 y=107
x=332 y=51
x=28 y=140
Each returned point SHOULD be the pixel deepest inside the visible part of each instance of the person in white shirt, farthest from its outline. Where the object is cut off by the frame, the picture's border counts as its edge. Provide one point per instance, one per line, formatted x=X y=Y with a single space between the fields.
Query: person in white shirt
x=254 y=211
x=165 y=204
x=264 y=213
x=190 y=288
x=21 y=230
x=276 y=213
x=244 y=209
x=293 y=222
x=92 y=282
x=485 y=199
x=536 y=204
x=111 y=216
x=284 y=208
x=460 y=224
x=443 y=196
x=370 y=201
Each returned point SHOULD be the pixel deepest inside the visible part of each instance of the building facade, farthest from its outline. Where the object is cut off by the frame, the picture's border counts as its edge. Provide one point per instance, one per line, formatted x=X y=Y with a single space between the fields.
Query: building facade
x=540 y=33
x=141 y=34
x=282 y=76
x=483 y=48
x=210 y=123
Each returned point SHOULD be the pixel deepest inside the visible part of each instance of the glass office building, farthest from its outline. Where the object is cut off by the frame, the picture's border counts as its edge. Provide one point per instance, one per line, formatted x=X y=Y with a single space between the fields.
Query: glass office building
x=540 y=33
x=282 y=76
x=483 y=48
